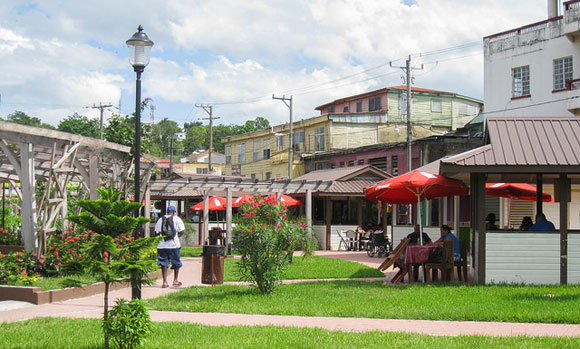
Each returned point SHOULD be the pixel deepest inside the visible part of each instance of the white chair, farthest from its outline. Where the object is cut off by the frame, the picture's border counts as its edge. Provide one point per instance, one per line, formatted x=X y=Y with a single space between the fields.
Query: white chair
x=352 y=240
x=343 y=241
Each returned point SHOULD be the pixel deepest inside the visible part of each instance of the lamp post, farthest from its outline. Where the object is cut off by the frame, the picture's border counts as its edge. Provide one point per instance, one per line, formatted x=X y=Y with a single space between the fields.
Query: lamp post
x=139 y=48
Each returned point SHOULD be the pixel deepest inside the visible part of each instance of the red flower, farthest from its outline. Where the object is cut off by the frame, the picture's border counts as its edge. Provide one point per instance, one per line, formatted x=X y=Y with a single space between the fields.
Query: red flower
x=56 y=253
x=41 y=261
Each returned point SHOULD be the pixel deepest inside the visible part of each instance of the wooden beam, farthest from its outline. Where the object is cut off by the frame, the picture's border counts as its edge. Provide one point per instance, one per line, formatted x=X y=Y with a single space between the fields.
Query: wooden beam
x=28 y=214
x=11 y=157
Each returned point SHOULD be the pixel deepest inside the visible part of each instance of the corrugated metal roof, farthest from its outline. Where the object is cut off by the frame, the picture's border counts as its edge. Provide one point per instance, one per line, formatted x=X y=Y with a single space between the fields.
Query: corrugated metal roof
x=334 y=174
x=531 y=141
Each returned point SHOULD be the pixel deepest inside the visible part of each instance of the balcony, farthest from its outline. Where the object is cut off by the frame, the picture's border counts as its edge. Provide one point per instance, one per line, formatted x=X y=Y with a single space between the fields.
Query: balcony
x=571 y=24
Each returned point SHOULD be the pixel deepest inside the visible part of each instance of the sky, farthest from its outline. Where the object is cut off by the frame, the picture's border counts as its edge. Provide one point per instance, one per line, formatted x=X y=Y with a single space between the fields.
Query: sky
x=61 y=57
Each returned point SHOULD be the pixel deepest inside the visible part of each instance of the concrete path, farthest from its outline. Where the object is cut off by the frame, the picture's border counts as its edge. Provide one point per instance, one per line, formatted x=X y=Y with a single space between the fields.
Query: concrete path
x=91 y=307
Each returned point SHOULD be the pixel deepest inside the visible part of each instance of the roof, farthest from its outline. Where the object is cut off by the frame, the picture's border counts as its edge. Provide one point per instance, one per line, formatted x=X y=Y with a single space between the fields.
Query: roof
x=524 y=144
x=346 y=180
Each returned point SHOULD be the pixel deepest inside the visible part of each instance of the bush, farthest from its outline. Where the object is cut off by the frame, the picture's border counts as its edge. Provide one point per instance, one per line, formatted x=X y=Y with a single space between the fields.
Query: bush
x=10 y=237
x=265 y=238
x=128 y=323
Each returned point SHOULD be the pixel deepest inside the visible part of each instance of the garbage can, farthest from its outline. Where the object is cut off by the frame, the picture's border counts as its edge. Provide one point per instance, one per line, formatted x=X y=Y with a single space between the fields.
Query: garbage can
x=212 y=265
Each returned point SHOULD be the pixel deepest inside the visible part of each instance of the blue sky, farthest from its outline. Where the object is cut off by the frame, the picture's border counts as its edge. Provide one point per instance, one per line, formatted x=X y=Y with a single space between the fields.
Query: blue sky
x=60 y=57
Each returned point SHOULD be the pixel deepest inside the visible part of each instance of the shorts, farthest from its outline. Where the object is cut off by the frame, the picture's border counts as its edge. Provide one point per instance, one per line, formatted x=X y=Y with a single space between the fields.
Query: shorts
x=166 y=255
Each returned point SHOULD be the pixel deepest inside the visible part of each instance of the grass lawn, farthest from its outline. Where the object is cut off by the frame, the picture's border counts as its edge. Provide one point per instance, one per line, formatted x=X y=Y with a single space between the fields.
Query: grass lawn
x=550 y=304
x=315 y=267
x=190 y=252
x=64 y=333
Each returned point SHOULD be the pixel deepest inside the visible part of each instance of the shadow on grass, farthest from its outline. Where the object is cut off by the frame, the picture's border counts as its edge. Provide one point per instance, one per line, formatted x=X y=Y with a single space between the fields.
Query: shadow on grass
x=546 y=297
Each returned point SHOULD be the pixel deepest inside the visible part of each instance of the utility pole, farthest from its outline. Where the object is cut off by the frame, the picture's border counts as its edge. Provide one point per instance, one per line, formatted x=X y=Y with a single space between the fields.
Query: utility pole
x=171 y=155
x=288 y=102
x=409 y=80
x=101 y=107
x=209 y=110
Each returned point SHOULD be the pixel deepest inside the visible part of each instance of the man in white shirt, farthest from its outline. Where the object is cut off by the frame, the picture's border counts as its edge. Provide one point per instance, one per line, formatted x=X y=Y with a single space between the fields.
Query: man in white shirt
x=168 y=250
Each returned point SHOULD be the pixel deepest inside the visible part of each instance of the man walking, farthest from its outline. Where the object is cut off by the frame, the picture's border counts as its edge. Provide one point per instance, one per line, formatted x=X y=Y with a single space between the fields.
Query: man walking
x=171 y=227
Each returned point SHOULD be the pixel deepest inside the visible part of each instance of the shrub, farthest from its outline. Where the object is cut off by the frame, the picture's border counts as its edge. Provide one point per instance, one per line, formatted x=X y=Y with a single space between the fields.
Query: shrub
x=128 y=323
x=266 y=238
x=10 y=237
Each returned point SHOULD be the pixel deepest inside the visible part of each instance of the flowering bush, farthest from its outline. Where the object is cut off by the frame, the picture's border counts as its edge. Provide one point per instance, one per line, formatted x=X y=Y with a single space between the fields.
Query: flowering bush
x=265 y=237
x=10 y=237
x=18 y=268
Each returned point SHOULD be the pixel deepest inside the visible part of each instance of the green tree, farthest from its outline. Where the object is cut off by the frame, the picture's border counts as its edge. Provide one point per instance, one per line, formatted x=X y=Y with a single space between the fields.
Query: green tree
x=163 y=131
x=113 y=256
x=195 y=138
x=23 y=119
x=80 y=125
x=121 y=130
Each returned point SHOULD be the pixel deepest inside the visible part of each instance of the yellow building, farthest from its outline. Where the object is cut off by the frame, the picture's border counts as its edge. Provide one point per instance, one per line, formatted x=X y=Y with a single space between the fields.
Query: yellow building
x=371 y=118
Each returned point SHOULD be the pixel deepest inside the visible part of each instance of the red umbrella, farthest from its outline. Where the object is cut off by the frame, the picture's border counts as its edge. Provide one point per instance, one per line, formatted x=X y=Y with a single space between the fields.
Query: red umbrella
x=284 y=200
x=522 y=191
x=415 y=186
x=216 y=203
x=242 y=199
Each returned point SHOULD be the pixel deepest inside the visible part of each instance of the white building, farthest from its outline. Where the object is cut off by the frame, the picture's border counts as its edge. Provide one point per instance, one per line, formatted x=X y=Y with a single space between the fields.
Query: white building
x=529 y=71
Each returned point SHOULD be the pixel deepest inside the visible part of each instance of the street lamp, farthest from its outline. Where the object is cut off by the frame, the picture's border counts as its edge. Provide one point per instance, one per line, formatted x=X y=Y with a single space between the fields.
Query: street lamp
x=139 y=48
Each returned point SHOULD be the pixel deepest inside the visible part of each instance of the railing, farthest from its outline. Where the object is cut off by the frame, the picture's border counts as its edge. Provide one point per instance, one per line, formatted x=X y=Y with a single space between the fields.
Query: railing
x=571 y=5
x=572 y=11
x=523 y=30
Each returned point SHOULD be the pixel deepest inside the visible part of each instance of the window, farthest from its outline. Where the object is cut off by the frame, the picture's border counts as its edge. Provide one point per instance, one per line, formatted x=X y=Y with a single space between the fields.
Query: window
x=394 y=165
x=436 y=105
x=266 y=151
x=562 y=72
x=256 y=154
x=298 y=140
x=341 y=164
x=361 y=162
x=280 y=141
x=330 y=109
x=201 y=170
x=350 y=163
x=319 y=142
x=253 y=176
x=268 y=175
x=521 y=81
x=359 y=107
x=241 y=153
x=345 y=109
x=375 y=103
x=228 y=154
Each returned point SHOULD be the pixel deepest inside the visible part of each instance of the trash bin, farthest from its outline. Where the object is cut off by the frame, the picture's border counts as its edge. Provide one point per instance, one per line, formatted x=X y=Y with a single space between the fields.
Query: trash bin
x=212 y=265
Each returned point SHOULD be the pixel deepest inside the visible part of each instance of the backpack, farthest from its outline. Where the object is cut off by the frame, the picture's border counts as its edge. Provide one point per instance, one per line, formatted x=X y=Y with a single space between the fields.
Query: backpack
x=167 y=228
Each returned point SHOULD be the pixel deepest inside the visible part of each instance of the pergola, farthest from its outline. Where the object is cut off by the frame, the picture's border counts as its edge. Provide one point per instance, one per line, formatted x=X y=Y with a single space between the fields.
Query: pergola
x=31 y=154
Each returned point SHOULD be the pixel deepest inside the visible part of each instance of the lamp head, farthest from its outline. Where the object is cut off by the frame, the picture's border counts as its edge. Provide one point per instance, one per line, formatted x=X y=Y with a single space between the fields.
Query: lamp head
x=139 y=49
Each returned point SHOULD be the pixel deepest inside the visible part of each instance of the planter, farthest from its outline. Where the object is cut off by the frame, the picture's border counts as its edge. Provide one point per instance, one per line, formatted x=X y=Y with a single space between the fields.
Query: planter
x=5 y=249
x=35 y=295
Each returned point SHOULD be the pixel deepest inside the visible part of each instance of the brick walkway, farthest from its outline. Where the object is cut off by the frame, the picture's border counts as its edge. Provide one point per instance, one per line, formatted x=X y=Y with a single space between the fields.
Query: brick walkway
x=91 y=307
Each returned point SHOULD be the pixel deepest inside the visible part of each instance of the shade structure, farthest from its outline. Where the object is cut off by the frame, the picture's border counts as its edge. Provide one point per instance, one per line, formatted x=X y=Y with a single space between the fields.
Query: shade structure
x=216 y=203
x=242 y=199
x=522 y=191
x=414 y=187
x=285 y=200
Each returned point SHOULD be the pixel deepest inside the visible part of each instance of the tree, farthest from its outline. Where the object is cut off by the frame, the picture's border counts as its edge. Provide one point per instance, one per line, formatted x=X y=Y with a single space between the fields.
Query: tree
x=80 y=125
x=121 y=130
x=23 y=119
x=252 y=125
x=113 y=256
x=195 y=138
x=163 y=131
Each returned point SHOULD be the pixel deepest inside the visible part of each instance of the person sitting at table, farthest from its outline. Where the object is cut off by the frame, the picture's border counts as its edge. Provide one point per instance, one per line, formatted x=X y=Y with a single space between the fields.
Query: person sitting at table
x=542 y=224
x=447 y=234
x=414 y=239
x=526 y=223
x=490 y=225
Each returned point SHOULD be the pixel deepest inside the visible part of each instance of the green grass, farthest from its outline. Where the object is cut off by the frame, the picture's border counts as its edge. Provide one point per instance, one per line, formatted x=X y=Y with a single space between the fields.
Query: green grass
x=549 y=304
x=54 y=283
x=190 y=252
x=314 y=267
x=64 y=333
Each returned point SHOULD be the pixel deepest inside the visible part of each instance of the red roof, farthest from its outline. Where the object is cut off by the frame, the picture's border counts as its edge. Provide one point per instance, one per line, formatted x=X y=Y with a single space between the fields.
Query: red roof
x=417 y=89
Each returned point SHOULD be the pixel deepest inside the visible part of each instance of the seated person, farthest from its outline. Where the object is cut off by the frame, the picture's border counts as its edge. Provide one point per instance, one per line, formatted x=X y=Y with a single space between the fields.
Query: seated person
x=542 y=224
x=414 y=239
x=490 y=225
x=447 y=234
x=526 y=223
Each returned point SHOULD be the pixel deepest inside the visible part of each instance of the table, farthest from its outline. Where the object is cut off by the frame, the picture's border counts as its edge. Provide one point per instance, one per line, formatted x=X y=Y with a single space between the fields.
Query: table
x=416 y=255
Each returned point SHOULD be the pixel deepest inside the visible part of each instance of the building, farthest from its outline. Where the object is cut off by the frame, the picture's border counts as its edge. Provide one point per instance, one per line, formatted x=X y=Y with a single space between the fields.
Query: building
x=198 y=163
x=367 y=119
x=529 y=71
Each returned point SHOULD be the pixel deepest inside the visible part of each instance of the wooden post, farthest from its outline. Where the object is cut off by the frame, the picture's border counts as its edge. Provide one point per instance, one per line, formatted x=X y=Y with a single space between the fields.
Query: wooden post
x=564 y=195
x=28 y=204
x=308 y=207
x=328 y=208
x=228 y=220
x=205 y=217
x=93 y=179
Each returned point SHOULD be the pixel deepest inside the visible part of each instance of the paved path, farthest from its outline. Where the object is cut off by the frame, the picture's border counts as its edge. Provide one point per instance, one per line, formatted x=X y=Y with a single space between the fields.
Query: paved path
x=91 y=307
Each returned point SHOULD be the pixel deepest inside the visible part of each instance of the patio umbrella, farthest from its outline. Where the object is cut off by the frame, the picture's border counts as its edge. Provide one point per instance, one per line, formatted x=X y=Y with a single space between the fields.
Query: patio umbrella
x=415 y=186
x=285 y=200
x=216 y=203
x=522 y=191
x=242 y=199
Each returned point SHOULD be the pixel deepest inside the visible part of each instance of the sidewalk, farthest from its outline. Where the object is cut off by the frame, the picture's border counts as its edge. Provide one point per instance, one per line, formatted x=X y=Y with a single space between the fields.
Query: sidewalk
x=91 y=307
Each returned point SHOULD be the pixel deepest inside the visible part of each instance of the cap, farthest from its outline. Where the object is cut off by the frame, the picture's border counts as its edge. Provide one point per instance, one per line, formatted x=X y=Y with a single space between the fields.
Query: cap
x=171 y=208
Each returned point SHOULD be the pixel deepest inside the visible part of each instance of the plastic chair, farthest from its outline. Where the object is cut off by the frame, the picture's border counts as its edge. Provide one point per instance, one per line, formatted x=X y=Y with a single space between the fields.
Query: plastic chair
x=461 y=264
x=351 y=239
